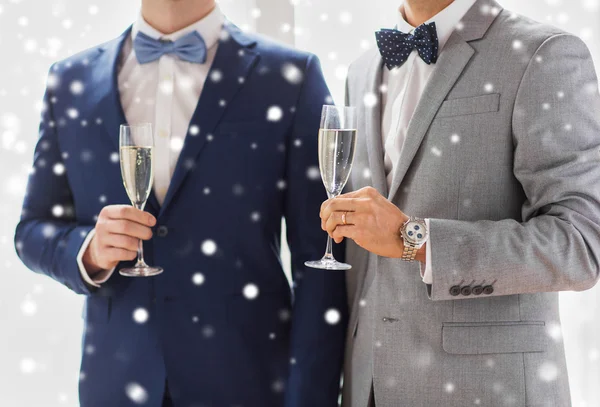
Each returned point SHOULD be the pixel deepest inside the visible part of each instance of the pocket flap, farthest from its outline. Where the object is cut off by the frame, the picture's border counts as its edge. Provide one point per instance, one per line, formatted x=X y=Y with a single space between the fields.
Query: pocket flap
x=480 y=338
x=471 y=105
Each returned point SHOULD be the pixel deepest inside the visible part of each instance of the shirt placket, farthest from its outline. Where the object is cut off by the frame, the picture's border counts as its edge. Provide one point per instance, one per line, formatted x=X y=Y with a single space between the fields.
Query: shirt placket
x=163 y=120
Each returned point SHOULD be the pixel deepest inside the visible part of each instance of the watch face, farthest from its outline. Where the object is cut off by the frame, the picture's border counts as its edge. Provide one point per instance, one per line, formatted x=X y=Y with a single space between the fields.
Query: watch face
x=415 y=232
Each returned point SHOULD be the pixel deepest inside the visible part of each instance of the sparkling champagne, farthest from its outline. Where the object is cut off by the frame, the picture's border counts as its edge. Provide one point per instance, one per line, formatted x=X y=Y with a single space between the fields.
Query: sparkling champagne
x=136 y=170
x=336 y=153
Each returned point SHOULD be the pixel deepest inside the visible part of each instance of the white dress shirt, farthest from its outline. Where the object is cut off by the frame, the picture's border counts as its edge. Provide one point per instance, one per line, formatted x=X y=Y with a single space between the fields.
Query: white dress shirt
x=165 y=93
x=402 y=88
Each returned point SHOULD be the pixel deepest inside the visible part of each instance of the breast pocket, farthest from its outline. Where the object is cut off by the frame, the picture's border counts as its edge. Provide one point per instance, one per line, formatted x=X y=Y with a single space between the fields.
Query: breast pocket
x=470 y=105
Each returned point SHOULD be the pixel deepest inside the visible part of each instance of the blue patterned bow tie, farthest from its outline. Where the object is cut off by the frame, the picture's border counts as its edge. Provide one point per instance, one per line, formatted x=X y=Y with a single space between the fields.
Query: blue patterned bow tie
x=190 y=47
x=396 y=46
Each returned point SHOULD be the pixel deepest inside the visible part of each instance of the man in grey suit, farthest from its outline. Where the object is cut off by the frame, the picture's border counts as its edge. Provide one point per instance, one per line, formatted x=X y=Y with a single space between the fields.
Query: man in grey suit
x=484 y=128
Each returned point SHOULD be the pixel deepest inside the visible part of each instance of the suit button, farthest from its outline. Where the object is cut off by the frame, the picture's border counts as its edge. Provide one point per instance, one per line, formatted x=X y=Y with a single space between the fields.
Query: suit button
x=477 y=290
x=466 y=290
x=488 y=289
x=162 y=231
x=454 y=290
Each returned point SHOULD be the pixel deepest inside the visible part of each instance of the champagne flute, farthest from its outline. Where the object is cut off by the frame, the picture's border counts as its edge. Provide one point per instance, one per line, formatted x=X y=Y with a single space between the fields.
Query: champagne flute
x=136 y=144
x=337 y=140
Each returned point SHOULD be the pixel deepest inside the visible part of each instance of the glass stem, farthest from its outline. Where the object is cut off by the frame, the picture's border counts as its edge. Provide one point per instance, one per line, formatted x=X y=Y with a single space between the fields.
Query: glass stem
x=329 y=250
x=140 y=250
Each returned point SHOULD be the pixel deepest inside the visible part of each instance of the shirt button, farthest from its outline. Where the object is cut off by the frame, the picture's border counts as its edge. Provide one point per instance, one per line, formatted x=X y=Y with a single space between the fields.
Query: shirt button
x=162 y=231
x=163 y=133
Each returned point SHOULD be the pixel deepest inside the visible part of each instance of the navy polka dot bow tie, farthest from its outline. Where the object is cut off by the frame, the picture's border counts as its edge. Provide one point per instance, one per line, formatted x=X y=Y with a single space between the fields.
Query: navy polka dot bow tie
x=395 y=46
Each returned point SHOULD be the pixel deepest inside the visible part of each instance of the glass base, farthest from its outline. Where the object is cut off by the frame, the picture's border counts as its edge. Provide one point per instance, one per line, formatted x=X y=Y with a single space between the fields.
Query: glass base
x=328 y=264
x=142 y=271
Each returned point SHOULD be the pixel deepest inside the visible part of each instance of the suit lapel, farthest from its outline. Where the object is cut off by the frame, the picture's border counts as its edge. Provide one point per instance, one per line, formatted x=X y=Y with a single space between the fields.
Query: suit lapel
x=235 y=59
x=373 y=125
x=105 y=97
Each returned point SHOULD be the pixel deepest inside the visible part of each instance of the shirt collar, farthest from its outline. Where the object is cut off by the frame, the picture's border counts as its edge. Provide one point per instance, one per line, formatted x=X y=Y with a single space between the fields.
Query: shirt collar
x=208 y=27
x=445 y=21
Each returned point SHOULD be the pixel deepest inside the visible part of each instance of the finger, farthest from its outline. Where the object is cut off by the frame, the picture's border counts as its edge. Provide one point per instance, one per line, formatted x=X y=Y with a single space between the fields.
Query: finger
x=340 y=205
x=122 y=242
x=115 y=254
x=337 y=219
x=130 y=213
x=129 y=228
x=353 y=194
x=342 y=231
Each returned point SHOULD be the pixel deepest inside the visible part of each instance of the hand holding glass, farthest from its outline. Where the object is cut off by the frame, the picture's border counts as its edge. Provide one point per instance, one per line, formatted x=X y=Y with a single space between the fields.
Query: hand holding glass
x=136 y=146
x=337 y=140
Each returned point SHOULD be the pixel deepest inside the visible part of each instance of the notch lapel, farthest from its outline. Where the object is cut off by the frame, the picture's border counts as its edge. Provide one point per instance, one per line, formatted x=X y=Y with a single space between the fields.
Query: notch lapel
x=373 y=125
x=105 y=96
x=235 y=59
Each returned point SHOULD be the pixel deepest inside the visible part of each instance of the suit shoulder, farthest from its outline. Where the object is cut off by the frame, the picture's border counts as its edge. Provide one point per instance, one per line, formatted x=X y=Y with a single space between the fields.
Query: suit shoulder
x=278 y=51
x=82 y=59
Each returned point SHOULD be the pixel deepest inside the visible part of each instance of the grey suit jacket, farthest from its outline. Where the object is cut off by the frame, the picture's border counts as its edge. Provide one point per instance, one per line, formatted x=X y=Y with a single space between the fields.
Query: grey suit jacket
x=514 y=203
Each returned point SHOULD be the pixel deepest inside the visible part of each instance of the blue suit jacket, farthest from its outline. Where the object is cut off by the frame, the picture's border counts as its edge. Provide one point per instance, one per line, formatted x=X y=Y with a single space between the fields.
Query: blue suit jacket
x=214 y=346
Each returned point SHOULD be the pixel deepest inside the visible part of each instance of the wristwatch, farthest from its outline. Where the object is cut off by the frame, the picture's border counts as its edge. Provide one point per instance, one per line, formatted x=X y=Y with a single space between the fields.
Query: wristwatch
x=415 y=234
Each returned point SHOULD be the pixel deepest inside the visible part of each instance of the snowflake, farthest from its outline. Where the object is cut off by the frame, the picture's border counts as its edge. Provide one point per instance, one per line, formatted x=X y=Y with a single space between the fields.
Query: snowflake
x=568 y=127
x=136 y=393
x=255 y=12
x=488 y=87
x=274 y=114
x=297 y=142
x=222 y=102
x=362 y=303
x=460 y=26
x=548 y=371
x=194 y=130
x=554 y=331
x=114 y=157
x=455 y=139
x=238 y=190
x=86 y=156
x=90 y=349
x=206 y=191
x=341 y=72
x=77 y=87
x=93 y=10
x=198 y=278
x=284 y=315
x=30 y=45
x=449 y=387
x=332 y=316
x=102 y=198
x=166 y=86
x=67 y=24
x=176 y=144
x=28 y=365
x=346 y=17
x=272 y=335
x=546 y=106
x=208 y=331
x=278 y=386
x=366 y=173
x=477 y=402
x=59 y=169
x=291 y=73
x=517 y=45
x=250 y=291
x=255 y=216
x=560 y=94
x=72 y=113
x=436 y=151
x=58 y=211
x=209 y=247
x=216 y=75
x=195 y=319
x=140 y=315
x=324 y=17
x=292 y=361
x=241 y=80
x=370 y=99
x=28 y=307
x=48 y=231
x=313 y=173
x=286 y=27
x=23 y=21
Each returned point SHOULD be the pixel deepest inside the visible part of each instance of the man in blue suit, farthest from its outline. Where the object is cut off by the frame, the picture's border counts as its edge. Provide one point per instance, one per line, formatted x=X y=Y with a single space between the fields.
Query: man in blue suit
x=236 y=119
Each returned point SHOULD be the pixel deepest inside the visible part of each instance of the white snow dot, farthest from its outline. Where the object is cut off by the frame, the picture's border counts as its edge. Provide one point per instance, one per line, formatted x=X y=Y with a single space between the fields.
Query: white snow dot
x=59 y=168
x=548 y=371
x=195 y=319
x=206 y=191
x=538 y=59
x=208 y=331
x=194 y=130
x=546 y=106
x=554 y=331
x=291 y=73
x=253 y=146
x=362 y=303
x=90 y=349
x=77 y=87
x=58 y=211
x=140 y=315
x=176 y=144
x=449 y=387
x=560 y=94
x=370 y=99
x=28 y=365
x=198 y=278
x=332 y=316
x=216 y=75
x=568 y=127
x=114 y=157
x=93 y=9
x=455 y=139
x=345 y=17
x=517 y=44
x=28 y=307
x=488 y=87
x=72 y=113
x=48 y=231
x=594 y=354
x=274 y=114
x=341 y=72
x=255 y=216
x=67 y=24
x=366 y=173
x=23 y=21
x=255 y=12
x=281 y=184
x=222 y=102
x=209 y=247
x=250 y=291
x=136 y=393
x=313 y=173
x=436 y=151
x=271 y=335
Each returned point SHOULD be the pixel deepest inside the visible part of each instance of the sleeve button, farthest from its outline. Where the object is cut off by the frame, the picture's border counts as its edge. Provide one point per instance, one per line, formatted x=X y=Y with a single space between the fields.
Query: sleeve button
x=466 y=290
x=477 y=290
x=488 y=289
x=454 y=290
